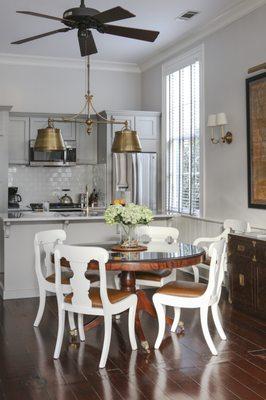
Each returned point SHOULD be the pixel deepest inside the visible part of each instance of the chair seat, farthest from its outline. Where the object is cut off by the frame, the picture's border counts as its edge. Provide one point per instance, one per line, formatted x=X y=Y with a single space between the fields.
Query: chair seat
x=153 y=275
x=94 y=295
x=66 y=275
x=183 y=289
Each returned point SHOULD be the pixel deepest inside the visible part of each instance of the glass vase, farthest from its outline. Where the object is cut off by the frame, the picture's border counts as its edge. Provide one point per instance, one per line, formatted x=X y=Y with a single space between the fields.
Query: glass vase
x=128 y=236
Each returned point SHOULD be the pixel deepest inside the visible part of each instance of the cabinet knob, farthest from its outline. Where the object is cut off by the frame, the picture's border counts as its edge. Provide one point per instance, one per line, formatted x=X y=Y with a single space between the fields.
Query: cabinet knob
x=254 y=258
x=254 y=243
x=241 y=279
x=241 y=247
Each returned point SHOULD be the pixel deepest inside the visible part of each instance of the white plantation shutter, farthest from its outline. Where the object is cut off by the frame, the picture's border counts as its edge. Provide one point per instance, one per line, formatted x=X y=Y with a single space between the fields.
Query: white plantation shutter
x=183 y=139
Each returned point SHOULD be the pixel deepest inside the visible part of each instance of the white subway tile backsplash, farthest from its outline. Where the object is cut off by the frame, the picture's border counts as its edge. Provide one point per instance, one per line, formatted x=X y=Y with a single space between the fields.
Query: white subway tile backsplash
x=38 y=184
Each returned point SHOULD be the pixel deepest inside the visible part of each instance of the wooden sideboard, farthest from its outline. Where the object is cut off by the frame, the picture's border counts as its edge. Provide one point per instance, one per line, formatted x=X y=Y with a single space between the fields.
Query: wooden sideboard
x=247 y=273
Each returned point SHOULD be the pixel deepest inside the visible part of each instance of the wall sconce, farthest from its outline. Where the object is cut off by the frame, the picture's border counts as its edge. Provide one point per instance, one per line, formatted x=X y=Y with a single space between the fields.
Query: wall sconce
x=219 y=120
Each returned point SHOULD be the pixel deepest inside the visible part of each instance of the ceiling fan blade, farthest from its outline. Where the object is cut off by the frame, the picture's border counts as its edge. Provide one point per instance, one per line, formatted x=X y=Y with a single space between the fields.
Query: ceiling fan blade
x=133 y=33
x=29 y=39
x=86 y=43
x=34 y=14
x=113 y=14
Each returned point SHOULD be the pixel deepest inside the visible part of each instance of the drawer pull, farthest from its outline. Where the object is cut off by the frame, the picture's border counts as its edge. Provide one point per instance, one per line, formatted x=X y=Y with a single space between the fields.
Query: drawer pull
x=241 y=280
x=240 y=247
x=254 y=259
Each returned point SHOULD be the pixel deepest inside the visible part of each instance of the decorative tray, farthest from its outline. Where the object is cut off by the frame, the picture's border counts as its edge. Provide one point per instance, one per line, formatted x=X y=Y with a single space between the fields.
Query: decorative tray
x=120 y=248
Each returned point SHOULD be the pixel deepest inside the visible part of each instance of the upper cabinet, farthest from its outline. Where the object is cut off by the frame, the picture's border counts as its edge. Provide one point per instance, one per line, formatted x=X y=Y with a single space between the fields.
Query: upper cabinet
x=86 y=144
x=67 y=128
x=18 y=140
x=148 y=127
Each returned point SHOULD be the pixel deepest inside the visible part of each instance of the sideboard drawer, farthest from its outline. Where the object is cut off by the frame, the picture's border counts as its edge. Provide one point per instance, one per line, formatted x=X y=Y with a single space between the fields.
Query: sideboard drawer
x=242 y=247
x=261 y=252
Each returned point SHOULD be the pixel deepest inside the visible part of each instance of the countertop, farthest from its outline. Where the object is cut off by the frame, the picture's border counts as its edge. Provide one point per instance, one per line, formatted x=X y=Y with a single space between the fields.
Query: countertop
x=28 y=216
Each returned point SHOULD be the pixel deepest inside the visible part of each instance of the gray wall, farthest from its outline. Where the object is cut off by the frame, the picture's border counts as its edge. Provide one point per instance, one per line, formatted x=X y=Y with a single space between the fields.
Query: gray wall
x=34 y=88
x=228 y=55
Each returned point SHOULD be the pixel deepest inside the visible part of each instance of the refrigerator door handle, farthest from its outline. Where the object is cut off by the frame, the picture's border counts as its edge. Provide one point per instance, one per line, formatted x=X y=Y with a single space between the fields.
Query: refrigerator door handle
x=134 y=167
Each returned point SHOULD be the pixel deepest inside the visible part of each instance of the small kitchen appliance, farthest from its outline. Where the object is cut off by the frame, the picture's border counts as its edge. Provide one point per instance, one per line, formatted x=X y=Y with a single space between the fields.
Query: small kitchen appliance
x=13 y=197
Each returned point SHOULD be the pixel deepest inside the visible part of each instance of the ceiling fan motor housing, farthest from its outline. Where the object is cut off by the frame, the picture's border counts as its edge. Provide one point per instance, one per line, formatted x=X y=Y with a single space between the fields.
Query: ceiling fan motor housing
x=79 y=15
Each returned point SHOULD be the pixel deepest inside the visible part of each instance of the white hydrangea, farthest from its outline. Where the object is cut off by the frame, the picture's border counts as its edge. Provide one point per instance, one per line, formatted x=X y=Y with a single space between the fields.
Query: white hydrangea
x=130 y=214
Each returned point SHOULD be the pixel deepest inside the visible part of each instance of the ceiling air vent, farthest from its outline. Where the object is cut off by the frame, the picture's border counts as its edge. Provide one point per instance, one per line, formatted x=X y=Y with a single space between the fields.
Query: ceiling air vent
x=188 y=15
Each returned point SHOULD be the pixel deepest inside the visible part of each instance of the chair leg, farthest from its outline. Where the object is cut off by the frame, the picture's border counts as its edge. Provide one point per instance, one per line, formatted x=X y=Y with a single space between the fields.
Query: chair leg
x=117 y=282
x=131 y=326
x=217 y=322
x=160 y=309
x=81 y=328
x=107 y=339
x=205 y=329
x=40 y=312
x=196 y=274
x=60 y=333
x=71 y=321
x=176 y=319
x=118 y=287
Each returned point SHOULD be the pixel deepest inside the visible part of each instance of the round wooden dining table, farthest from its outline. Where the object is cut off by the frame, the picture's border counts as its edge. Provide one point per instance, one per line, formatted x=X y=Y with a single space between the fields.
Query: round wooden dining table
x=158 y=256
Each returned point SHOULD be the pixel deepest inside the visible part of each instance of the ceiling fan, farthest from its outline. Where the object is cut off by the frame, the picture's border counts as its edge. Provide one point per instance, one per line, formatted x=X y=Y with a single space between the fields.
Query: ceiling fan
x=84 y=19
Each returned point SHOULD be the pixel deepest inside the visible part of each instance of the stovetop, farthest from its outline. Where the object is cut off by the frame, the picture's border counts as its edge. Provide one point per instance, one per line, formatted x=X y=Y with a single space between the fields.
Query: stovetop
x=56 y=206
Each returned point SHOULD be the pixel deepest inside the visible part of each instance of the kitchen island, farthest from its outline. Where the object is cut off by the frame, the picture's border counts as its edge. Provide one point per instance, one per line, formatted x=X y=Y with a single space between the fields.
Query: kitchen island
x=17 y=273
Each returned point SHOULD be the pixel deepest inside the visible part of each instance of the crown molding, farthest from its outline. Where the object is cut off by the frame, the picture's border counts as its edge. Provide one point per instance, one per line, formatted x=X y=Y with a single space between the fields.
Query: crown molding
x=72 y=63
x=221 y=21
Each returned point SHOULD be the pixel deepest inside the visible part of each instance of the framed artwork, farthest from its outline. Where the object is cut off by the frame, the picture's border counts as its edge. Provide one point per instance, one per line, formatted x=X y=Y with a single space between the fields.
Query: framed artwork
x=256 y=136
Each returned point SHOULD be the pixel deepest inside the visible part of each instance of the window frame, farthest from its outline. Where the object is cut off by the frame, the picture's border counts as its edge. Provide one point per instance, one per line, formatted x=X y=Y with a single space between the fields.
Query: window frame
x=181 y=61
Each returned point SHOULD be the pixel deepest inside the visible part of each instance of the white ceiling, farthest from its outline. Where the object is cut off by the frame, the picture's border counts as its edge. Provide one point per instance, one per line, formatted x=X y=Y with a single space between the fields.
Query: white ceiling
x=150 y=14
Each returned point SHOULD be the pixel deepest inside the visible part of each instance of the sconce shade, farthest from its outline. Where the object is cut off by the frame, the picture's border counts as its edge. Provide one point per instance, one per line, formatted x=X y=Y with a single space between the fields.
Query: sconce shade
x=49 y=139
x=221 y=119
x=212 y=120
x=126 y=141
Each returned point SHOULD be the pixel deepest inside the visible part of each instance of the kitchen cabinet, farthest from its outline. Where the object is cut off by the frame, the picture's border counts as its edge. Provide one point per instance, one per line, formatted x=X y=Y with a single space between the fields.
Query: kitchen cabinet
x=247 y=273
x=148 y=127
x=67 y=128
x=86 y=144
x=18 y=140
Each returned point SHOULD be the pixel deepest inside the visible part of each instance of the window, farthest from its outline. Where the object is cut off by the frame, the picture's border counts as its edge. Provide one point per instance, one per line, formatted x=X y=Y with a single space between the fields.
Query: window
x=182 y=120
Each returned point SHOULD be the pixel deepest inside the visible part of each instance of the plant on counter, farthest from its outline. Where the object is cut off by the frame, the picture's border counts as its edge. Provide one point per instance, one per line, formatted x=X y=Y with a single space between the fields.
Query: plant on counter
x=128 y=217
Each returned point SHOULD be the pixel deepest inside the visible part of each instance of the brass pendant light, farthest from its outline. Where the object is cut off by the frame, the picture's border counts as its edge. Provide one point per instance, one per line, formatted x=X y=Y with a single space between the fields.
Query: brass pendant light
x=49 y=139
x=126 y=141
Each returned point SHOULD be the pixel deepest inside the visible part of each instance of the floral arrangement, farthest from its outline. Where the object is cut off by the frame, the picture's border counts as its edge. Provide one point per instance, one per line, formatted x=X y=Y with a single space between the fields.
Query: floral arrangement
x=130 y=214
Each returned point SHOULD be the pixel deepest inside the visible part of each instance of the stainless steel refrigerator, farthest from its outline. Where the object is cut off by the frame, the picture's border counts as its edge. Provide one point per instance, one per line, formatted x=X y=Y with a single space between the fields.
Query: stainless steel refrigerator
x=135 y=178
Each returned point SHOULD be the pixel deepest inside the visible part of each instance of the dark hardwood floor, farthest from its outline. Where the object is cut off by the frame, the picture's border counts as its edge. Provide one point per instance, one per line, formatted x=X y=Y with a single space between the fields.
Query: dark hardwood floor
x=183 y=369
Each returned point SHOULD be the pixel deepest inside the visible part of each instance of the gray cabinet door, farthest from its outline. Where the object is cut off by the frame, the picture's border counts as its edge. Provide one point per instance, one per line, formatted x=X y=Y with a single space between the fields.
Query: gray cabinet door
x=18 y=140
x=67 y=128
x=147 y=127
x=86 y=144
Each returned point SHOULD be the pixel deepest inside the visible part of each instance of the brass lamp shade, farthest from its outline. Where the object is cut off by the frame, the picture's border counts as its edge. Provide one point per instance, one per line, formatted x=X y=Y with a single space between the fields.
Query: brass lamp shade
x=49 y=139
x=126 y=141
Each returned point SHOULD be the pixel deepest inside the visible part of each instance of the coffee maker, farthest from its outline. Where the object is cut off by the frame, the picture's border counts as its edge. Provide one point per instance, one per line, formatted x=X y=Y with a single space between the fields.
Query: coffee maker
x=13 y=198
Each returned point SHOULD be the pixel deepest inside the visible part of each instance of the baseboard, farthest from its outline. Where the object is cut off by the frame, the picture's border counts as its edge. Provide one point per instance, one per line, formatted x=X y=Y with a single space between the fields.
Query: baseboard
x=20 y=294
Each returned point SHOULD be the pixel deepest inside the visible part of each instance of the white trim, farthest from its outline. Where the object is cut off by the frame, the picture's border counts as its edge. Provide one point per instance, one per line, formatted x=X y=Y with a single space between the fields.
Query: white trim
x=221 y=21
x=56 y=62
x=21 y=293
x=196 y=54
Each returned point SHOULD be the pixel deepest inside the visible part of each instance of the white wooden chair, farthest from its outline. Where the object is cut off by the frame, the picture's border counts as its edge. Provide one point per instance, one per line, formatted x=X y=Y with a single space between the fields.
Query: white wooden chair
x=237 y=226
x=85 y=299
x=194 y=295
x=230 y=225
x=156 y=238
x=44 y=244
